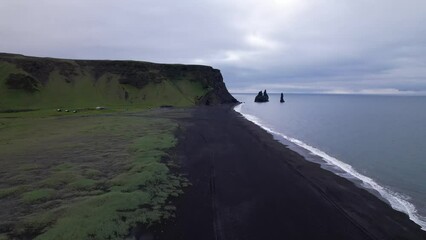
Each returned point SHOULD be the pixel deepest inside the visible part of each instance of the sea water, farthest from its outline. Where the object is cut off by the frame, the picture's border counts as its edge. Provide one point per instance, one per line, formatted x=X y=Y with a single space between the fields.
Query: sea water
x=379 y=142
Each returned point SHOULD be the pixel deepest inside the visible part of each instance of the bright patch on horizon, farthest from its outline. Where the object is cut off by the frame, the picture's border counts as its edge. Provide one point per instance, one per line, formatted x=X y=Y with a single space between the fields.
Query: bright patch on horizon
x=293 y=4
x=232 y=56
x=258 y=41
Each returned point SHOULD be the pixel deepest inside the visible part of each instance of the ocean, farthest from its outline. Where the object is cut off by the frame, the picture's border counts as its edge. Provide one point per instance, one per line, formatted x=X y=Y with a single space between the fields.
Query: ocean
x=378 y=142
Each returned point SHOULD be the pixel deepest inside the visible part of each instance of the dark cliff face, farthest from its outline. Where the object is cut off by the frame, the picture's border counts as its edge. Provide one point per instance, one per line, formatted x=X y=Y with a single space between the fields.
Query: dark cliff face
x=38 y=71
x=219 y=93
x=139 y=74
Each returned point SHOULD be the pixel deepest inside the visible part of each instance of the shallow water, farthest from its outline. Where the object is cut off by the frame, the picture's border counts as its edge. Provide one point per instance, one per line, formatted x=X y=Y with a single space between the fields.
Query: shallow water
x=378 y=141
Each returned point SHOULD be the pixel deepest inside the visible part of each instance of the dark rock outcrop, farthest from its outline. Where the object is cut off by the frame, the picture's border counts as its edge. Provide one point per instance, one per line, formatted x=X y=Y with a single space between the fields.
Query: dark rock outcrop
x=218 y=93
x=19 y=81
x=282 y=98
x=262 y=97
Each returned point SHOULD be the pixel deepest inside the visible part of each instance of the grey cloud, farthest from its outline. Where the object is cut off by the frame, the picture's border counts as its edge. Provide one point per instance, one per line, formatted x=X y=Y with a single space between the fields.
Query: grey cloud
x=288 y=45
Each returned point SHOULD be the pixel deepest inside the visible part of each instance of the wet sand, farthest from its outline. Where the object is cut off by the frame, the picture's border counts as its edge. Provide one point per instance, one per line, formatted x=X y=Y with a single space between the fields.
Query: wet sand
x=246 y=185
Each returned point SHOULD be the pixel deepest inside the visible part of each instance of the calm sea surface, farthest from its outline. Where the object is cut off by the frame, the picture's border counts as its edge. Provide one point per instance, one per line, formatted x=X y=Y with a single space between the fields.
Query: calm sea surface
x=377 y=141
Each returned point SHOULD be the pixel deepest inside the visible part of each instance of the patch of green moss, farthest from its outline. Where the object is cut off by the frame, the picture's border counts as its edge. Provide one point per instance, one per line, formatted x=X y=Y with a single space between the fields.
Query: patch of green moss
x=59 y=179
x=83 y=184
x=153 y=142
x=92 y=173
x=101 y=217
x=97 y=199
x=29 y=167
x=35 y=223
x=5 y=192
x=111 y=215
x=153 y=174
x=63 y=167
x=38 y=195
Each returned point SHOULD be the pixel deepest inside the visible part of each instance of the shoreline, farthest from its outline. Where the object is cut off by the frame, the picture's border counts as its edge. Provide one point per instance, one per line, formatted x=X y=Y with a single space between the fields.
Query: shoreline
x=248 y=185
x=342 y=169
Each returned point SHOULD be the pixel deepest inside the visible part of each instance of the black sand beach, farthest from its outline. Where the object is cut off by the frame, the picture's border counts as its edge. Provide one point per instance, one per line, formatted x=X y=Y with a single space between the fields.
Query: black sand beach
x=246 y=185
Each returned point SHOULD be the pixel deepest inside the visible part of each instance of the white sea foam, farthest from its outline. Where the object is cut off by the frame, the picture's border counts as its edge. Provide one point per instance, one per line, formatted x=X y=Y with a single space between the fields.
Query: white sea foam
x=397 y=201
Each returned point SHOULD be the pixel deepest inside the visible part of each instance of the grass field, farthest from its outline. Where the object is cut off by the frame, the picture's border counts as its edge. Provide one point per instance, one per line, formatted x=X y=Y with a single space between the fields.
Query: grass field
x=89 y=175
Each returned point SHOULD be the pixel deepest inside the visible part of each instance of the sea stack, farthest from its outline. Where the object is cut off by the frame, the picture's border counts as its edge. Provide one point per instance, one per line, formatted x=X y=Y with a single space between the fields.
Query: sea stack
x=262 y=97
x=282 y=98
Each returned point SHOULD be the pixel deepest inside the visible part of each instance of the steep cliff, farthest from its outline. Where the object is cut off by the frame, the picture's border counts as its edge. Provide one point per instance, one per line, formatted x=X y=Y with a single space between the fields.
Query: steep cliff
x=31 y=82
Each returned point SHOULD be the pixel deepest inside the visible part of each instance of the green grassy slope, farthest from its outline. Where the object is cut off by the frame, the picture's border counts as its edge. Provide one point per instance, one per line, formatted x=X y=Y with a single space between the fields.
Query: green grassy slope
x=40 y=83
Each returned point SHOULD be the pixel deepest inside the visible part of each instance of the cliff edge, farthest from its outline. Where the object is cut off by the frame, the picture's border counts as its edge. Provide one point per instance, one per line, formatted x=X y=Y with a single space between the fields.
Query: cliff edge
x=33 y=82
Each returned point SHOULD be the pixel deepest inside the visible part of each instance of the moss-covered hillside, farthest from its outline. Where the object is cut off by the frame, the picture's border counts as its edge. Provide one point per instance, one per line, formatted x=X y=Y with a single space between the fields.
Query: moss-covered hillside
x=37 y=83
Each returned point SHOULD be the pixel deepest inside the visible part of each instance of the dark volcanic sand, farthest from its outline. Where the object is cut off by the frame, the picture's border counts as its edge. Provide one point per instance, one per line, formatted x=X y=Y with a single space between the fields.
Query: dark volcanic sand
x=246 y=185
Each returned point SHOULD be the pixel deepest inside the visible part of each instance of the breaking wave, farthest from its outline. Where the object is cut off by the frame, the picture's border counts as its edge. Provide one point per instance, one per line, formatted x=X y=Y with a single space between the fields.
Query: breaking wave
x=397 y=201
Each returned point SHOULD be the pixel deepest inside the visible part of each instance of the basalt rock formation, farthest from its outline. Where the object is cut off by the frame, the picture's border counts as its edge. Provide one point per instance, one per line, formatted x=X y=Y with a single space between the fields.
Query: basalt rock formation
x=262 y=97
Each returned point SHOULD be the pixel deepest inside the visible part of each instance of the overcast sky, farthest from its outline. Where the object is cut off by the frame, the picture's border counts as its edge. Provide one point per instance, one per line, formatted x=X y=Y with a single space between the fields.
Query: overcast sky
x=327 y=46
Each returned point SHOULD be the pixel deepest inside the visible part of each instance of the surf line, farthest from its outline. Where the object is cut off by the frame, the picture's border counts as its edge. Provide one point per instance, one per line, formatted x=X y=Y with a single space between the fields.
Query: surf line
x=396 y=200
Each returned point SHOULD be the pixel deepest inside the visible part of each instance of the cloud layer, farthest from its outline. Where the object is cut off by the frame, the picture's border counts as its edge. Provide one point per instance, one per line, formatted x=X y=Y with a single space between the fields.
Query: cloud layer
x=335 y=46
